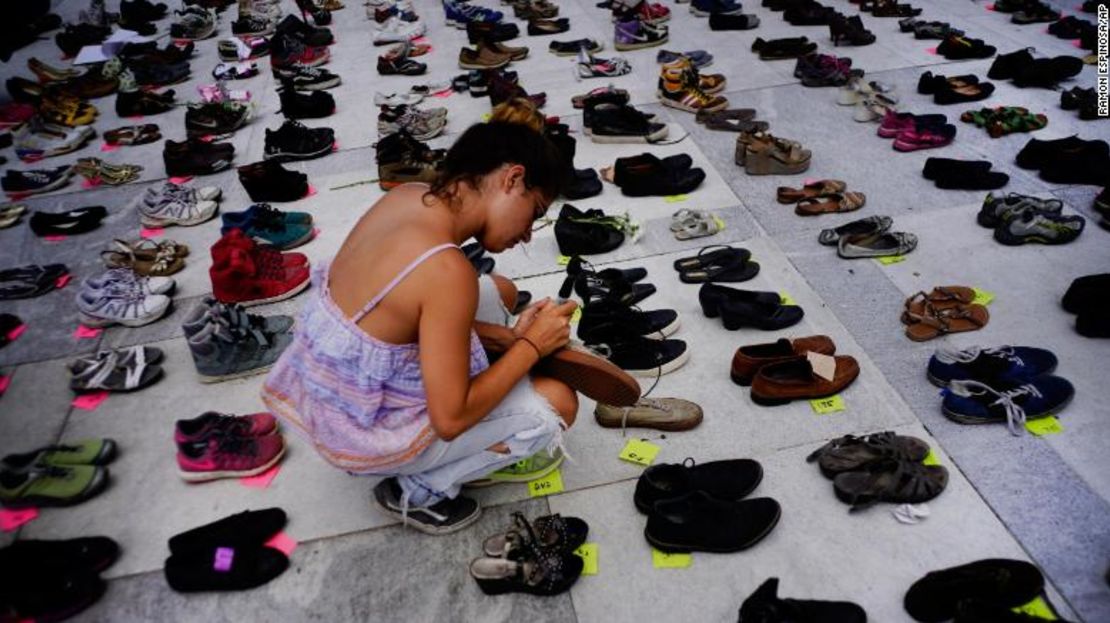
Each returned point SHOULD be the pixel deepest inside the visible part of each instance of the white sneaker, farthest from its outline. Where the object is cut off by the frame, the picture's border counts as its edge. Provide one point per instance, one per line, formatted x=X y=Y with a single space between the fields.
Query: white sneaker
x=119 y=305
x=116 y=278
x=396 y=30
x=178 y=205
x=397 y=99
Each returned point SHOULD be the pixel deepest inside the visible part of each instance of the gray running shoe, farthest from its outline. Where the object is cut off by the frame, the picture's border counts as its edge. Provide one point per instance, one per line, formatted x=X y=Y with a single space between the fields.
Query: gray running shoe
x=156 y=195
x=670 y=414
x=996 y=209
x=177 y=205
x=1032 y=225
x=119 y=303
x=125 y=278
x=235 y=316
x=222 y=353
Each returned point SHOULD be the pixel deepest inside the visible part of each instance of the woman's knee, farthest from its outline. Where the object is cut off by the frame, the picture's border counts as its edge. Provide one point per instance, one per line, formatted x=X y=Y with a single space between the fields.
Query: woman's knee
x=506 y=289
x=560 y=396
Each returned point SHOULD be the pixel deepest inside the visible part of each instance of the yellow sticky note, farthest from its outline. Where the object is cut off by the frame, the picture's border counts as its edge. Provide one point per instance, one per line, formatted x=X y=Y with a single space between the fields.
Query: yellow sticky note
x=720 y=223
x=982 y=297
x=1038 y=608
x=675 y=198
x=1044 y=426
x=588 y=553
x=486 y=117
x=824 y=406
x=931 y=459
x=639 y=451
x=663 y=560
x=562 y=260
x=548 y=485
x=786 y=300
x=576 y=316
x=891 y=259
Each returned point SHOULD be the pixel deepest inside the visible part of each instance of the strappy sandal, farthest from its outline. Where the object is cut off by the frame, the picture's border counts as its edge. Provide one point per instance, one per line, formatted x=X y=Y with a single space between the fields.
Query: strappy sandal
x=133 y=135
x=144 y=260
x=828 y=204
x=727 y=265
x=850 y=453
x=936 y=322
x=786 y=194
x=538 y=574
x=112 y=375
x=694 y=224
x=97 y=171
x=550 y=532
x=890 y=480
x=941 y=297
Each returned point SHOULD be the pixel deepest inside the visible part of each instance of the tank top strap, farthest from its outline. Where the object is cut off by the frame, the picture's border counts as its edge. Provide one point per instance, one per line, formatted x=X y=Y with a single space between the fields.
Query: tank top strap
x=399 y=278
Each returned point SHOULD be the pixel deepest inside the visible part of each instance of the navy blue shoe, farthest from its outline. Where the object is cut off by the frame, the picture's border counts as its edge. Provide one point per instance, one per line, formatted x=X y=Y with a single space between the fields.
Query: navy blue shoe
x=1004 y=364
x=972 y=402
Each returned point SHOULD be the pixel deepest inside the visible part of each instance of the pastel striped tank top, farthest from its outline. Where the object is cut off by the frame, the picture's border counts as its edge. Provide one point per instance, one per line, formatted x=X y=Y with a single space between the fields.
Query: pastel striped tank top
x=359 y=400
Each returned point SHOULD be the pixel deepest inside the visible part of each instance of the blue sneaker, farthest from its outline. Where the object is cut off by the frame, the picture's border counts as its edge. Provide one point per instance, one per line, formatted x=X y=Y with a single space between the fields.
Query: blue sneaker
x=972 y=402
x=459 y=15
x=266 y=225
x=265 y=212
x=1006 y=364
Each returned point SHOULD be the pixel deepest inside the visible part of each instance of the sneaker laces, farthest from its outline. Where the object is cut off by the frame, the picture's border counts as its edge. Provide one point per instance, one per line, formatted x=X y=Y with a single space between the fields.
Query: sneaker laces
x=1015 y=414
x=968 y=355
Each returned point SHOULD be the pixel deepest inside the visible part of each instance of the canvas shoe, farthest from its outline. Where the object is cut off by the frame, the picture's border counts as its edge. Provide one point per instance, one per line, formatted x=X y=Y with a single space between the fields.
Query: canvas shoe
x=1006 y=364
x=396 y=30
x=228 y=455
x=222 y=353
x=975 y=402
x=444 y=517
x=668 y=414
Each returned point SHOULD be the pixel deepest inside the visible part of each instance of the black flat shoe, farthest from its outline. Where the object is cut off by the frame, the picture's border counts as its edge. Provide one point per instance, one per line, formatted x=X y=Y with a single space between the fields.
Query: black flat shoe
x=76 y=221
x=1047 y=72
x=730 y=481
x=767 y=317
x=714 y=297
x=697 y=522
x=765 y=606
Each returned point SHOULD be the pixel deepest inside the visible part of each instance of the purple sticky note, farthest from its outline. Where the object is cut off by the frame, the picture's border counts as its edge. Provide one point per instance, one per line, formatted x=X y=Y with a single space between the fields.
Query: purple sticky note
x=151 y=232
x=16 y=332
x=10 y=519
x=54 y=238
x=183 y=179
x=5 y=381
x=283 y=543
x=222 y=561
x=263 y=480
x=105 y=147
x=85 y=333
x=62 y=281
x=90 y=401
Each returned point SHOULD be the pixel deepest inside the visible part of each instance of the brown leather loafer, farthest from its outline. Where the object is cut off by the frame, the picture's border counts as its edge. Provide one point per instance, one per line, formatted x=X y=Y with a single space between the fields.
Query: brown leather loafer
x=793 y=379
x=591 y=376
x=749 y=359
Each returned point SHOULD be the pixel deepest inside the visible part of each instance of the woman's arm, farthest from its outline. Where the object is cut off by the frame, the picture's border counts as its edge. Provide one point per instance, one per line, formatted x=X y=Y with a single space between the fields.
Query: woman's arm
x=494 y=337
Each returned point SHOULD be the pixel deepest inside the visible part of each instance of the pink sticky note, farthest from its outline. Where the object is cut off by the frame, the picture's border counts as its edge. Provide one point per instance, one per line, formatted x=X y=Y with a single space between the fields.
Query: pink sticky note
x=207 y=138
x=420 y=40
x=151 y=232
x=315 y=233
x=444 y=93
x=83 y=333
x=809 y=180
x=5 y=381
x=10 y=519
x=62 y=281
x=90 y=401
x=16 y=332
x=932 y=51
x=93 y=183
x=183 y=179
x=311 y=192
x=105 y=147
x=54 y=238
x=335 y=146
x=262 y=480
x=283 y=543
x=990 y=7
x=1078 y=43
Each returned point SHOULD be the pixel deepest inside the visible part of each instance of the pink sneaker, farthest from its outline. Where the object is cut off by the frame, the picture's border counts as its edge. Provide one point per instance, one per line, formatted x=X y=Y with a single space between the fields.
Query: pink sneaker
x=894 y=123
x=925 y=138
x=201 y=427
x=225 y=456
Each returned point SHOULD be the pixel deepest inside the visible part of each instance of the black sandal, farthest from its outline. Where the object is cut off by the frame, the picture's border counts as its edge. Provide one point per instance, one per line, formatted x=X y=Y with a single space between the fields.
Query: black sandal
x=724 y=264
x=550 y=532
x=850 y=453
x=890 y=480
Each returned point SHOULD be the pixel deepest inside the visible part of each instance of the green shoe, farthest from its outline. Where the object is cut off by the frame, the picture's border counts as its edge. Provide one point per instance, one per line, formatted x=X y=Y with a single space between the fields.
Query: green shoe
x=536 y=466
x=80 y=452
x=51 y=485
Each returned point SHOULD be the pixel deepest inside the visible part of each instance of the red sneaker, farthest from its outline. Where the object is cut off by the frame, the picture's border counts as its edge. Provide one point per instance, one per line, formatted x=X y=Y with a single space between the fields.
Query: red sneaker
x=262 y=253
x=241 y=275
x=227 y=456
x=924 y=138
x=211 y=423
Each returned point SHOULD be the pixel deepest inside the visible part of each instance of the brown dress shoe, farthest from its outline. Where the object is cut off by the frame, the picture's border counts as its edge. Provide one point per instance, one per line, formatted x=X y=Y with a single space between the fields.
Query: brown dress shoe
x=749 y=359
x=482 y=58
x=591 y=375
x=669 y=414
x=793 y=379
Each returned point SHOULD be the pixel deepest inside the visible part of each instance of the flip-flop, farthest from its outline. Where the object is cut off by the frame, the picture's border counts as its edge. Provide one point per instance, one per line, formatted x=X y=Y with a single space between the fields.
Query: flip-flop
x=936 y=322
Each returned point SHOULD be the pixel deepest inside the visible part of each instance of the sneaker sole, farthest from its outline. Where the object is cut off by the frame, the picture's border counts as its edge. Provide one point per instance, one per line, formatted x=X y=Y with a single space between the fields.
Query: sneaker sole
x=617 y=139
x=670 y=547
x=666 y=368
x=426 y=529
x=206 y=476
x=281 y=297
x=94 y=322
x=203 y=378
x=669 y=426
x=592 y=376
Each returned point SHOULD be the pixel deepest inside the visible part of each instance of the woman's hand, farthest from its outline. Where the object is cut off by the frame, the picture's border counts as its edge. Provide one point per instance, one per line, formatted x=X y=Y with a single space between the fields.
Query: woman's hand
x=526 y=317
x=549 y=327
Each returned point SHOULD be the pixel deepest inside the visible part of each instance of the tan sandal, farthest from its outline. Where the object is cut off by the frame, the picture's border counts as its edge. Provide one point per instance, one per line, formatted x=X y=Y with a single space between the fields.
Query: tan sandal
x=828 y=204
x=942 y=297
x=787 y=194
x=936 y=322
x=149 y=260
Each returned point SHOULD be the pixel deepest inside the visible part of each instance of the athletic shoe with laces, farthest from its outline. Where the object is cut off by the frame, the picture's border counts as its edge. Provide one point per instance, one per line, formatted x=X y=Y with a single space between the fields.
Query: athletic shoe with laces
x=295 y=27
x=1004 y=364
x=680 y=87
x=176 y=205
x=286 y=51
x=591 y=232
x=233 y=315
x=444 y=517
x=228 y=456
x=235 y=71
x=252 y=25
x=294 y=141
x=975 y=402
x=116 y=278
x=305 y=78
x=243 y=48
x=668 y=414
x=268 y=226
x=1021 y=226
x=635 y=354
x=193 y=24
x=391 y=66
x=295 y=105
x=422 y=125
x=211 y=423
x=196 y=157
x=119 y=303
x=35 y=181
x=37 y=139
x=222 y=353
x=242 y=273
x=208 y=119
x=267 y=181
x=634 y=35
x=995 y=210
x=396 y=30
